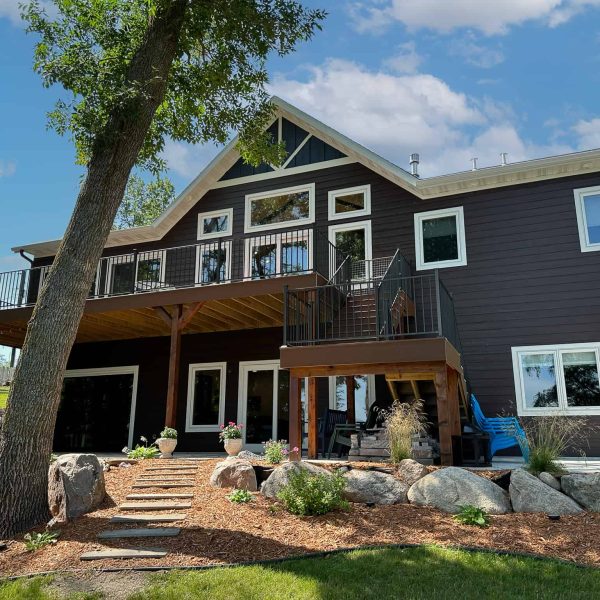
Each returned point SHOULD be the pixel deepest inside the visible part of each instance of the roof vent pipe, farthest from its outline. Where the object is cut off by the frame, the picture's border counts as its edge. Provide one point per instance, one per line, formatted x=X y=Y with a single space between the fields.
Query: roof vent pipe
x=474 y=164
x=414 y=164
x=503 y=160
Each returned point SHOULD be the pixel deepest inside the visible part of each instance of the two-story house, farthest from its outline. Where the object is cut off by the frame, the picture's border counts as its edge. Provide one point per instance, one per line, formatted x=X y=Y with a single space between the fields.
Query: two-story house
x=266 y=295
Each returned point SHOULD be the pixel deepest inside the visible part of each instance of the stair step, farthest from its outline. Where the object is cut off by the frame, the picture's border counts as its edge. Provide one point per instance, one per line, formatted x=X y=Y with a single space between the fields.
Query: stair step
x=167 y=478
x=157 y=496
x=161 y=485
x=124 y=553
x=154 y=505
x=141 y=532
x=173 y=468
x=156 y=518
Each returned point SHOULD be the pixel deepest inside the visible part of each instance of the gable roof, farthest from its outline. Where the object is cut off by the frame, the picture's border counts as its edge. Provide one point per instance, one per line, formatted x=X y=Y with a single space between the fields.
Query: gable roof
x=443 y=185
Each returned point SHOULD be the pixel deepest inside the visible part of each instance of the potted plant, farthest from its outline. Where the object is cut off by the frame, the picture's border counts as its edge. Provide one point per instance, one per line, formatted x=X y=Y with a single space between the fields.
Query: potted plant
x=231 y=436
x=167 y=442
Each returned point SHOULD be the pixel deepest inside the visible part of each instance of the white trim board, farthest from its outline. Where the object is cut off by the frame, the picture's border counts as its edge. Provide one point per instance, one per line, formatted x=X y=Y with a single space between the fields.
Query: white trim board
x=128 y=370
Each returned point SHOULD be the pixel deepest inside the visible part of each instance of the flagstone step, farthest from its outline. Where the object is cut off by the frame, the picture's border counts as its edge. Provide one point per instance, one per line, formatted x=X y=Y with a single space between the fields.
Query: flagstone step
x=141 y=532
x=178 y=473
x=157 y=496
x=165 y=478
x=155 y=518
x=154 y=505
x=173 y=468
x=161 y=485
x=124 y=553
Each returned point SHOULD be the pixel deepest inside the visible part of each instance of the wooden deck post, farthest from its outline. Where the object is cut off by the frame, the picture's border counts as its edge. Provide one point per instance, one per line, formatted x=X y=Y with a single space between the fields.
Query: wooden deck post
x=313 y=424
x=174 y=359
x=446 y=388
x=350 y=400
x=295 y=435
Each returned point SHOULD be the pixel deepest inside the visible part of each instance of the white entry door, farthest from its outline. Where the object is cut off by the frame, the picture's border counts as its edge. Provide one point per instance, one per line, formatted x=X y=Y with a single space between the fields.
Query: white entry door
x=263 y=403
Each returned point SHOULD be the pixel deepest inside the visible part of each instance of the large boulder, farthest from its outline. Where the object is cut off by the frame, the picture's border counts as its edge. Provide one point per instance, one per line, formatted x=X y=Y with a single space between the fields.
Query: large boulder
x=234 y=473
x=451 y=488
x=280 y=477
x=530 y=495
x=410 y=471
x=550 y=480
x=372 y=487
x=75 y=486
x=584 y=488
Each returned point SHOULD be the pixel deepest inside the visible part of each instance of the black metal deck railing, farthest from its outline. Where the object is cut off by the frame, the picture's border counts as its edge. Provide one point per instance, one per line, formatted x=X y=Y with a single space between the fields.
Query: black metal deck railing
x=399 y=305
x=210 y=262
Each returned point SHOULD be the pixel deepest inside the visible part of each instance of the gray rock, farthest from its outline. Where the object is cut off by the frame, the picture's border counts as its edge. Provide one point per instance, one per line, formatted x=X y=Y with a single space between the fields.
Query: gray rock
x=550 y=480
x=75 y=486
x=234 y=474
x=281 y=476
x=450 y=488
x=530 y=495
x=247 y=455
x=372 y=487
x=411 y=471
x=584 y=488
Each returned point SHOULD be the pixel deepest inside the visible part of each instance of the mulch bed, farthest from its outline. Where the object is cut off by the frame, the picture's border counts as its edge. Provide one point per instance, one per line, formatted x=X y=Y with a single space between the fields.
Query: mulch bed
x=217 y=531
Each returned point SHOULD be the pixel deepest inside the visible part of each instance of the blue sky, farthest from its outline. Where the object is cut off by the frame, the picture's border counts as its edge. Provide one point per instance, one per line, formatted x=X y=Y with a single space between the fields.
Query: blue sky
x=450 y=80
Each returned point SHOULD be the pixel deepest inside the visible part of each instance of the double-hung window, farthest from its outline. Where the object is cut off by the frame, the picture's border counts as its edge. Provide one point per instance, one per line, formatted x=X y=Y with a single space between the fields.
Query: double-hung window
x=559 y=379
x=440 y=239
x=206 y=397
x=587 y=206
x=213 y=257
x=350 y=202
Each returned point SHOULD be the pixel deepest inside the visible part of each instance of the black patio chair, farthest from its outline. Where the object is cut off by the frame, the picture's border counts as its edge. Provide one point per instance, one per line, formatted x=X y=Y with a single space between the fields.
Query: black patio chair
x=327 y=426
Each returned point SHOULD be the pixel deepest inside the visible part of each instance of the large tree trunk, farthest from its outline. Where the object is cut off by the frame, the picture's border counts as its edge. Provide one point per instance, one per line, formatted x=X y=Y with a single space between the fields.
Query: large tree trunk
x=28 y=429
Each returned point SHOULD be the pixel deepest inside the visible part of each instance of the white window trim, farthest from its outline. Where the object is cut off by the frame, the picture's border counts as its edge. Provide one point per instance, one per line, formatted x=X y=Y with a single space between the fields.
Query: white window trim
x=362 y=212
x=366 y=225
x=279 y=239
x=584 y=241
x=189 y=411
x=217 y=234
x=310 y=188
x=128 y=370
x=122 y=259
x=370 y=390
x=226 y=245
x=557 y=350
x=456 y=212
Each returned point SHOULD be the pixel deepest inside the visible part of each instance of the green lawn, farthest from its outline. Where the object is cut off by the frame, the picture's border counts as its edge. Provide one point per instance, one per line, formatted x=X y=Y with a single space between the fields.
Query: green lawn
x=427 y=573
x=3 y=396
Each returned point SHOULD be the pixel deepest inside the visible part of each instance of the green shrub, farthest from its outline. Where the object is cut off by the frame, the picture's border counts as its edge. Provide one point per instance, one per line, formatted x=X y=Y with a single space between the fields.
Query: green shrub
x=169 y=433
x=402 y=422
x=240 y=496
x=276 y=451
x=313 y=494
x=37 y=541
x=472 y=515
x=142 y=451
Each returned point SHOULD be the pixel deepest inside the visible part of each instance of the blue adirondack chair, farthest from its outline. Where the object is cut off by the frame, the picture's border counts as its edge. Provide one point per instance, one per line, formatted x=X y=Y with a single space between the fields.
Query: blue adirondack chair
x=504 y=432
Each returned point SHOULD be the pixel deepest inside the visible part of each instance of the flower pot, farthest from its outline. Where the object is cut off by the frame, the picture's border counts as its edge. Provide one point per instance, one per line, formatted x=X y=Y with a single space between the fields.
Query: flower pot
x=166 y=447
x=233 y=446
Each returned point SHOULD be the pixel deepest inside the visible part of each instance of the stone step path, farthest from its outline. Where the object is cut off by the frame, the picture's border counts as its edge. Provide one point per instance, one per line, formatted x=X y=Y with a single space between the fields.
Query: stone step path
x=124 y=553
x=178 y=473
x=142 y=532
x=166 y=478
x=173 y=468
x=155 y=518
x=162 y=485
x=157 y=496
x=154 y=505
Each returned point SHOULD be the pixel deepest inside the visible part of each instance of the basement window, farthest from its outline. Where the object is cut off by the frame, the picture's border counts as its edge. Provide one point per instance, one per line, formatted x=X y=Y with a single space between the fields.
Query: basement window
x=553 y=380
x=587 y=206
x=440 y=239
x=206 y=397
x=350 y=202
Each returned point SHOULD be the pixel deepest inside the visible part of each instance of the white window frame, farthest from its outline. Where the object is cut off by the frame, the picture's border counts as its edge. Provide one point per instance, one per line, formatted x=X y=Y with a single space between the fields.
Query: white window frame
x=310 y=188
x=128 y=370
x=189 y=411
x=228 y=212
x=122 y=259
x=279 y=239
x=557 y=350
x=370 y=390
x=456 y=212
x=226 y=245
x=580 y=195
x=361 y=212
x=366 y=225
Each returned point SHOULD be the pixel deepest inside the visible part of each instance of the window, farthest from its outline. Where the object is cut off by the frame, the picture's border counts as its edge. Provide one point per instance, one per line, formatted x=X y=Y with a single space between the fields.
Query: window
x=206 y=397
x=364 y=395
x=587 y=206
x=557 y=379
x=215 y=224
x=354 y=240
x=281 y=254
x=282 y=208
x=350 y=202
x=125 y=275
x=440 y=239
x=213 y=262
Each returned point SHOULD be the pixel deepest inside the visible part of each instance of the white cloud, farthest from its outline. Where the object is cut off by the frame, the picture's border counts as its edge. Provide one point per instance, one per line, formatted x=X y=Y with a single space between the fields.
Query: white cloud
x=7 y=168
x=187 y=160
x=474 y=53
x=10 y=10
x=588 y=133
x=488 y=16
x=406 y=60
x=395 y=115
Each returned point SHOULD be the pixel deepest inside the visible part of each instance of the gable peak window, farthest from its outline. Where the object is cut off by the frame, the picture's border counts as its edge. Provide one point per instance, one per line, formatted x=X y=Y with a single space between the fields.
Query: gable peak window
x=440 y=239
x=587 y=206
x=214 y=224
x=349 y=202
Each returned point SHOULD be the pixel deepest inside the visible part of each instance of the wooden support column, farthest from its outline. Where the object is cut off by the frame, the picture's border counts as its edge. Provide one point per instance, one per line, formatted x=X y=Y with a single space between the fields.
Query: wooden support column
x=313 y=415
x=350 y=400
x=446 y=389
x=295 y=434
